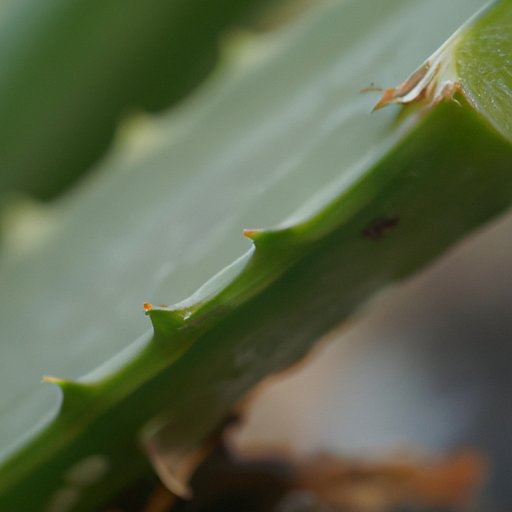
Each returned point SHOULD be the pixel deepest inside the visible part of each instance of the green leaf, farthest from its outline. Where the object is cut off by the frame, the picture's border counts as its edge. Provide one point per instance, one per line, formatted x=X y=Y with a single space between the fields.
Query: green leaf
x=282 y=136
x=70 y=69
x=484 y=62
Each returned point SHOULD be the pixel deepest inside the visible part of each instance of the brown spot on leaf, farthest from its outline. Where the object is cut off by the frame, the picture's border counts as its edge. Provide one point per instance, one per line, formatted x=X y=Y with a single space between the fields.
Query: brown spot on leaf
x=147 y=307
x=380 y=227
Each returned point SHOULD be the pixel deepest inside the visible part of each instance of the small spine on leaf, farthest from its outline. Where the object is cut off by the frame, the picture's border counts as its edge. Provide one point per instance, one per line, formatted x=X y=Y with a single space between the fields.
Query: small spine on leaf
x=257 y=236
x=264 y=237
x=165 y=321
x=73 y=392
x=271 y=238
x=252 y=234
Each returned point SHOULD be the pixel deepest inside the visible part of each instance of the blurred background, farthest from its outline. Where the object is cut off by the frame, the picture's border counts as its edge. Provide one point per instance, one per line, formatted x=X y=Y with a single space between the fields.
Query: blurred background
x=424 y=369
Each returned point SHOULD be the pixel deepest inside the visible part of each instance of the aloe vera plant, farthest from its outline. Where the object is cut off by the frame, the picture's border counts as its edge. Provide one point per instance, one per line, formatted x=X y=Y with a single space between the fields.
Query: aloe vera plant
x=281 y=136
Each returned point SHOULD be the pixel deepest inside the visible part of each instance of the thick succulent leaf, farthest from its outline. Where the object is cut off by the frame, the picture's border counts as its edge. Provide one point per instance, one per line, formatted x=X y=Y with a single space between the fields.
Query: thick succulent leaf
x=69 y=69
x=484 y=63
x=287 y=139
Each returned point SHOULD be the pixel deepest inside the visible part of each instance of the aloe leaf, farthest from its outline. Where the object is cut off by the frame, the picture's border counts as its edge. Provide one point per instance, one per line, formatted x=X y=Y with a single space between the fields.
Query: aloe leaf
x=360 y=200
x=483 y=62
x=69 y=70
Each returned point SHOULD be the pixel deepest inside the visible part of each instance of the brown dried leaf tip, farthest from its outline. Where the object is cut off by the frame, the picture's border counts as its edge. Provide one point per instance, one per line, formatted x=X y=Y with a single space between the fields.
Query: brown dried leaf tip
x=147 y=307
x=433 y=81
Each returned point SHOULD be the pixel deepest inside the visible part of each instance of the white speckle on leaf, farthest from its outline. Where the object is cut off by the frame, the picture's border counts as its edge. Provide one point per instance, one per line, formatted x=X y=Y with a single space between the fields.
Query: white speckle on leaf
x=63 y=500
x=87 y=471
